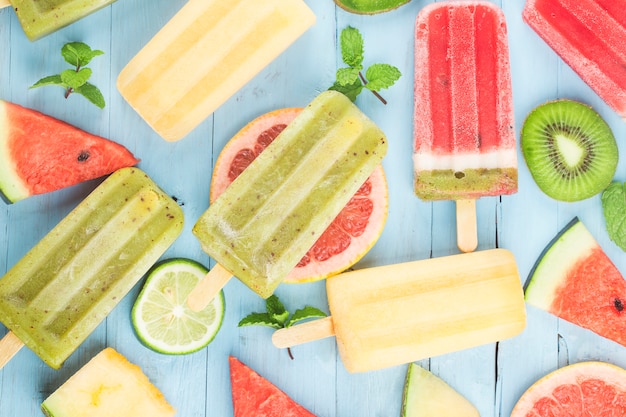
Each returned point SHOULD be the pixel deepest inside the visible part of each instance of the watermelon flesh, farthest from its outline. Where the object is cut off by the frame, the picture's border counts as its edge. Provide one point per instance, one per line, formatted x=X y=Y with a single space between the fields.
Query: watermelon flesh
x=40 y=154
x=255 y=396
x=575 y=280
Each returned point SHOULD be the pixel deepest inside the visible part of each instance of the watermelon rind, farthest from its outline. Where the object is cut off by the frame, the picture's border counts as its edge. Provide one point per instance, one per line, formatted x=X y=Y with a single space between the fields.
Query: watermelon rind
x=12 y=188
x=610 y=374
x=573 y=242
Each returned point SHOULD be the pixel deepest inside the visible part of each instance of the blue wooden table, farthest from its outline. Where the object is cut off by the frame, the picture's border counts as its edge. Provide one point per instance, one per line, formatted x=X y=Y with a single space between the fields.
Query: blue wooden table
x=492 y=376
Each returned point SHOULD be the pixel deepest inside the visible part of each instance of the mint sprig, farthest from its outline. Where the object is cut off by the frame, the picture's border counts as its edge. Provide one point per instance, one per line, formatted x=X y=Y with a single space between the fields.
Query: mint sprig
x=277 y=317
x=350 y=80
x=77 y=54
x=614 y=210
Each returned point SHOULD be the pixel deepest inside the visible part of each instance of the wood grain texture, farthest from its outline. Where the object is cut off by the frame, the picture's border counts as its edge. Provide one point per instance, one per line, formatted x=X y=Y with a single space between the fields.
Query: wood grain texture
x=492 y=376
x=10 y=344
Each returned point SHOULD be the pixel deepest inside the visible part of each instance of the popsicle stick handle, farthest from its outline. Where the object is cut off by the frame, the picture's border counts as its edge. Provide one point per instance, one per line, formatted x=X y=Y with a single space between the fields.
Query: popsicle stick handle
x=208 y=288
x=303 y=333
x=466 y=229
x=9 y=346
x=4 y=3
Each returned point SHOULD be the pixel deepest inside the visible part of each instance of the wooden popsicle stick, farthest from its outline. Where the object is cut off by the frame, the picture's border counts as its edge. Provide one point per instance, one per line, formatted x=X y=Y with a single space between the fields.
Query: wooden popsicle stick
x=466 y=228
x=9 y=346
x=208 y=288
x=4 y=3
x=303 y=333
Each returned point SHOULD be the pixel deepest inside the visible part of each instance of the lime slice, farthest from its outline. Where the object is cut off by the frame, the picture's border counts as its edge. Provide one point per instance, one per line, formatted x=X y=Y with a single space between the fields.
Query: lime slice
x=160 y=316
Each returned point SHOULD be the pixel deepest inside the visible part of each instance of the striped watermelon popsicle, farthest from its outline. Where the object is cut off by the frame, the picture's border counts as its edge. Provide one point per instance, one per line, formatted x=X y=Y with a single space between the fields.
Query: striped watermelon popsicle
x=464 y=139
x=590 y=36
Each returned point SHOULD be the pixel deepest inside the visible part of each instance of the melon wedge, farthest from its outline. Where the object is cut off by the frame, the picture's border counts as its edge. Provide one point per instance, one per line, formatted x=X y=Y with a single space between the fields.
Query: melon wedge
x=575 y=280
x=255 y=396
x=426 y=395
x=108 y=385
x=40 y=154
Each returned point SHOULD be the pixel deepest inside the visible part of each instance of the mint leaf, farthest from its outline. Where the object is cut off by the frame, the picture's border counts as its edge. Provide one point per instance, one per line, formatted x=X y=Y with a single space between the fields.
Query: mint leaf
x=75 y=79
x=277 y=316
x=276 y=309
x=259 y=319
x=307 y=312
x=352 y=47
x=49 y=80
x=91 y=93
x=347 y=76
x=78 y=53
x=350 y=81
x=381 y=76
x=351 y=91
x=614 y=208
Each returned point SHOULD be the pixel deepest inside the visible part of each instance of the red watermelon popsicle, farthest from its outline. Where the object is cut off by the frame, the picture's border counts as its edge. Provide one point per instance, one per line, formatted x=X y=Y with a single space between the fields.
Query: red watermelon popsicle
x=464 y=139
x=590 y=36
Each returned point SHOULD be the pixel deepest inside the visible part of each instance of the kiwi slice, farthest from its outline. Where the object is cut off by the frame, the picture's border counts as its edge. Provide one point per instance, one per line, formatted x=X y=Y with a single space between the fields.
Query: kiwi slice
x=569 y=149
x=370 y=6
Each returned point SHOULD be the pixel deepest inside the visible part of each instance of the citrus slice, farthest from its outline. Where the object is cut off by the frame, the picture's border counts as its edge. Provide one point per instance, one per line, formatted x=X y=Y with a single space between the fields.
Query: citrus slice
x=590 y=389
x=353 y=232
x=160 y=316
x=370 y=6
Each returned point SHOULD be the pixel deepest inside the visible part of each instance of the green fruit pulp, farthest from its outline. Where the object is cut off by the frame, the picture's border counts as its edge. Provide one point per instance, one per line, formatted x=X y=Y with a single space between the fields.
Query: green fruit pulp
x=569 y=149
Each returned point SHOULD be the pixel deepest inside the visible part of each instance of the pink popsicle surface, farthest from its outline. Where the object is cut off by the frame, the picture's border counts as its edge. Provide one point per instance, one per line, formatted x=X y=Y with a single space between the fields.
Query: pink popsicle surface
x=464 y=140
x=590 y=36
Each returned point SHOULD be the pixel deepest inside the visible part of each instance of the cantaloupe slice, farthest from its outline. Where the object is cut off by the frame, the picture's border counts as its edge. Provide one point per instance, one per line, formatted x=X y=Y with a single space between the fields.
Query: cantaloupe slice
x=108 y=385
x=426 y=395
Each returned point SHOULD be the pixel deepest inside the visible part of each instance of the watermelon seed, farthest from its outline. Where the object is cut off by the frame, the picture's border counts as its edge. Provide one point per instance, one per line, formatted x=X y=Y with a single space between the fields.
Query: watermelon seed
x=619 y=306
x=84 y=155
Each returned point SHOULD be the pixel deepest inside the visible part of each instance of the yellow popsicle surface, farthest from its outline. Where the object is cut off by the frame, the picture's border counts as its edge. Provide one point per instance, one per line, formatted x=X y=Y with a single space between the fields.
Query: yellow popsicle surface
x=205 y=54
x=396 y=314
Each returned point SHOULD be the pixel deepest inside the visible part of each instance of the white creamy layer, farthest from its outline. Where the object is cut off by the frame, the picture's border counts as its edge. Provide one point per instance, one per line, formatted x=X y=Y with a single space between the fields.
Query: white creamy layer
x=505 y=158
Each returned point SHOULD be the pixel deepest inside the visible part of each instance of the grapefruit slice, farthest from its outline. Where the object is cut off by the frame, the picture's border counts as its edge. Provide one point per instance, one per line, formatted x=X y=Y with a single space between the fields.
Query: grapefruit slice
x=591 y=389
x=353 y=232
x=255 y=396
x=40 y=154
x=575 y=280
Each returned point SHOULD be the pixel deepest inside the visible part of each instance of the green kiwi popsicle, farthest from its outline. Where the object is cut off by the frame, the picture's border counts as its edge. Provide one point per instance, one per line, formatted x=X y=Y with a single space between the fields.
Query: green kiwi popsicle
x=60 y=291
x=270 y=216
x=42 y=17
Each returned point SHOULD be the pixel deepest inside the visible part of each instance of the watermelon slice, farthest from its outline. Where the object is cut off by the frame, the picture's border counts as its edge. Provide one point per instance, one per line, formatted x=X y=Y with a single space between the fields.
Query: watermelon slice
x=255 y=396
x=575 y=280
x=39 y=154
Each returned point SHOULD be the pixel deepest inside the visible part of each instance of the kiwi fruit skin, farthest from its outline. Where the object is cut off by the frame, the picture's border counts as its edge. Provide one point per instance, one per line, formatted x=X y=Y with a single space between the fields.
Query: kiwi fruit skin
x=369 y=7
x=569 y=149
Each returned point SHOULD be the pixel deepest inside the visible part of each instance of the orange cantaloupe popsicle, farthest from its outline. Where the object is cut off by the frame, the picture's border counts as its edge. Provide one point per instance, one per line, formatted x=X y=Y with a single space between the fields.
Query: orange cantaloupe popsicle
x=395 y=314
x=204 y=55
